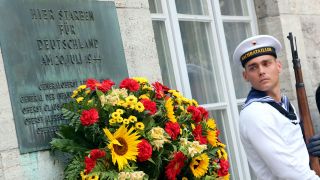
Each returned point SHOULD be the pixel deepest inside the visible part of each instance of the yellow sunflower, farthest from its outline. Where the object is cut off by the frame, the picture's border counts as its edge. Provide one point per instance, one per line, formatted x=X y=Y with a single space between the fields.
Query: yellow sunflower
x=212 y=138
x=199 y=165
x=123 y=145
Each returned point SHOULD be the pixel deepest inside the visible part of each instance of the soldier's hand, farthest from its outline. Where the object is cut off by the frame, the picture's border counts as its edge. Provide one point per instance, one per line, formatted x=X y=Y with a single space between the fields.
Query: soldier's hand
x=314 y=145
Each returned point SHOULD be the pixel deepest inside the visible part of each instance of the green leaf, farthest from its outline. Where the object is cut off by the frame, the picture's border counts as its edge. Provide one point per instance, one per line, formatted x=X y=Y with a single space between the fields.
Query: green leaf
x=73 y=169
x=99 y=93
x=67 y=145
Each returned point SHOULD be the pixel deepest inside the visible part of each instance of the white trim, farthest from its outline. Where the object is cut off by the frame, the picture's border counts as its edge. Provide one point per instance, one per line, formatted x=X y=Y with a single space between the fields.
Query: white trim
x=252 y=14
x=233 y=114
x=215 y=106
x=179 y=49
x=236 y=18
x=198 y=18
x=228 y=103
x=158 y=17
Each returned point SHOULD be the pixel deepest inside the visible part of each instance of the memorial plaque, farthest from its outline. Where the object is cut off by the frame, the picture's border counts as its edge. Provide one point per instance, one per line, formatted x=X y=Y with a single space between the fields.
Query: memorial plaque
x=49 y=48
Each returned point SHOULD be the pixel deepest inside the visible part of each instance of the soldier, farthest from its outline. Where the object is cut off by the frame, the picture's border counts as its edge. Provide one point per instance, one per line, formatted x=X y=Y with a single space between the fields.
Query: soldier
x=314 y=142
x=269 y=127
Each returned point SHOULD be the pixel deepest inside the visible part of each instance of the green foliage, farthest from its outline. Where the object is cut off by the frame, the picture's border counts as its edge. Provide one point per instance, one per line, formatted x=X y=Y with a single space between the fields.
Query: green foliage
x=72 y=171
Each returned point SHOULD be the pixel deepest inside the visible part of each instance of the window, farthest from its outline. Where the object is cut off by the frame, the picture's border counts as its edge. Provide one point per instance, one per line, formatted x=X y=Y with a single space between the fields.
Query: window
x=195 y=41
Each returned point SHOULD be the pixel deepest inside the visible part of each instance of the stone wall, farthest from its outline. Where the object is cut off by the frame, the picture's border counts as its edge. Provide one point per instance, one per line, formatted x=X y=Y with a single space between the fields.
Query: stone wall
x=278 y=18
x=140 y=51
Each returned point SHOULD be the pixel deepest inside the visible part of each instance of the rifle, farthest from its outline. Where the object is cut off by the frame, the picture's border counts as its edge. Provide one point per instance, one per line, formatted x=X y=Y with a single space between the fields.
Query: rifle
x=303 y=102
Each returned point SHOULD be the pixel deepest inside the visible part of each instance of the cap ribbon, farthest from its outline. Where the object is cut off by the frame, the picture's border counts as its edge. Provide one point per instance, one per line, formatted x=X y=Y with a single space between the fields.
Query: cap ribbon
x=257 y=52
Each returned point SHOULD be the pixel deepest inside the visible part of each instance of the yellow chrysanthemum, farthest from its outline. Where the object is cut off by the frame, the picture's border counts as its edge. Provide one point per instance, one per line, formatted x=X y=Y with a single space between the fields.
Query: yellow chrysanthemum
x=170 y=113
x=193 y=126
x=119 y=119
x=194 y=103
x=211 y=124
x=126 y=121
x=139 y=107
x=87 y=91
x=221 y=144
x=82 y=87
x=74 y=93
x=79 y=99
x=140 y=80
x=132 y=119
x=90 y=102
x=224 y=154
x=120 y=111
x=146 y=87
x=212 y=138
x=184 y=178
x=115 y=115
x=112 y=121
x=199 y=165
x=219 y=154
x=123 y=145
x=144 y=96
x=87 y=177
x=131 y=100
x=139 y=125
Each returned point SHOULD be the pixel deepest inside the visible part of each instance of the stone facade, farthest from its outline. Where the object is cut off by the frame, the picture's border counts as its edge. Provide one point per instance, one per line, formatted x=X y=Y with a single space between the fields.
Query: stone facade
x=278 y=18
x=141 y=54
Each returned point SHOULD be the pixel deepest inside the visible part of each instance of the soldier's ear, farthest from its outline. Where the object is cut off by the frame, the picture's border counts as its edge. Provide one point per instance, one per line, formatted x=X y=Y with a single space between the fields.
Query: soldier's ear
x=245 y=77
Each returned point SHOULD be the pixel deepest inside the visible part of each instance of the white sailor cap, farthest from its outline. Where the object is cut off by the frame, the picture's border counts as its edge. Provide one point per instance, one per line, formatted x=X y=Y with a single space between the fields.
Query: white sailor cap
x=256 y=46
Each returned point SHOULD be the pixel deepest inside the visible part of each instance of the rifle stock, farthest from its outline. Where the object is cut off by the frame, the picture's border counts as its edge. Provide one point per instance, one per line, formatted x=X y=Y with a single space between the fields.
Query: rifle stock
x=305 y=116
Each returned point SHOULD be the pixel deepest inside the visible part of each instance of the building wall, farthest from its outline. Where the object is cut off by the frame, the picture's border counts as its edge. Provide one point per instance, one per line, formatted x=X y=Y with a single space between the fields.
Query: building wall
x=278 y=18
x=142 y=60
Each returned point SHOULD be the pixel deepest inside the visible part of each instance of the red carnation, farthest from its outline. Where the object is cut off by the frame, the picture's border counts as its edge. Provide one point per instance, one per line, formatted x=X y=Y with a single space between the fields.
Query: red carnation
x=89 y=117
x=105 y=85
x=197 y=133
x=130 y=84
x=145 y=150
x=173 y=129
x=204 y=112
x=90 y=164
x=196 y=113
x=160 y=89
x=97 y=153
x=175 y=165
x=149 y=105
x=92 y=84
x=224 y=168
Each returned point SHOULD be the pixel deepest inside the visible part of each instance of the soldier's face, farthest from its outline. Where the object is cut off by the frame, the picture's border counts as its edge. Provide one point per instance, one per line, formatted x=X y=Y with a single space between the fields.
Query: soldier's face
x=263 y=73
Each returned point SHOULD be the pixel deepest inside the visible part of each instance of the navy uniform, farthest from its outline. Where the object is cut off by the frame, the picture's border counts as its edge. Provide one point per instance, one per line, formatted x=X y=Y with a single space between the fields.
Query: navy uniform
x=269 y=130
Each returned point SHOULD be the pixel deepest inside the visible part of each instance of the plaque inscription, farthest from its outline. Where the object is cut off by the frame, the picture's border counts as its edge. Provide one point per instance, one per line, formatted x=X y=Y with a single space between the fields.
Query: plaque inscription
x=49 y=48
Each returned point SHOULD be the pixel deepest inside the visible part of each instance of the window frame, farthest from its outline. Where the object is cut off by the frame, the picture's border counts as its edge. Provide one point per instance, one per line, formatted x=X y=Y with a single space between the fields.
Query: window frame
x=230 y=103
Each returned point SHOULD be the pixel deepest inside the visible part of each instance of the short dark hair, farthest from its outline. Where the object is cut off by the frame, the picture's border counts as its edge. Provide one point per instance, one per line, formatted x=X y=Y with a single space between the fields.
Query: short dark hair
x=318 y=98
